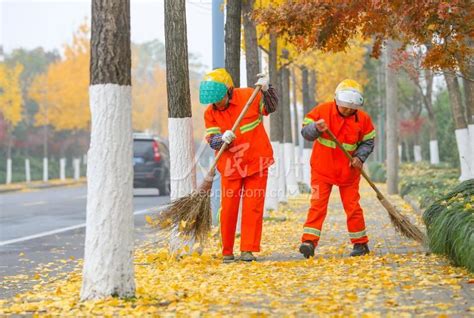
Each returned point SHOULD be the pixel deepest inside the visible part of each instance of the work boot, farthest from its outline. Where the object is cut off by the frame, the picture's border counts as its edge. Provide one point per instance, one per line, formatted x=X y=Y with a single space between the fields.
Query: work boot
x=360 y=249
x=307 y=249
x=247 y=257
x=228 y=258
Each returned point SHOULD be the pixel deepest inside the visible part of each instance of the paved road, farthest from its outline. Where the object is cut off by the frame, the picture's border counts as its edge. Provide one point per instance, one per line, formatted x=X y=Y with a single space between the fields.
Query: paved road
x=39 y=227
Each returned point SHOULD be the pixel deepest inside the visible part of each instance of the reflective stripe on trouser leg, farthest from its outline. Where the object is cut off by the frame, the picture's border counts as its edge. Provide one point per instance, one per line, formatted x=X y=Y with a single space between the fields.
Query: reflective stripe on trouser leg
x=320 y=193
x=229 y=212
x=355 y=217
x=253 y=202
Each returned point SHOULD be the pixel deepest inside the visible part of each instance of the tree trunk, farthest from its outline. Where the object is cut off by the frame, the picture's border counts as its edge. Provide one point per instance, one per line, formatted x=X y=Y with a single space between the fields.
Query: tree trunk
x=251 y=44
x=45 y=154
x=469 y=97
x=296 y=126
x=183 y=179
x=417 y=148
x=432 y=125
x=307 y=146
x=312 y=88
x=108 y=258
x=380 y=140
x=392 y=120
x=232 y=40
x=460 y=124
x=9 y=156
x=282 y=188
x=288 y=146
x=180 y=127
x=276 y=132
x=296 y=132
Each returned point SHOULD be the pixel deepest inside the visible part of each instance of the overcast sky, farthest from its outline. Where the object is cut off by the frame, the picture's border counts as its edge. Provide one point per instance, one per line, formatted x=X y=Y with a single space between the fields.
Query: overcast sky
x=33 y=23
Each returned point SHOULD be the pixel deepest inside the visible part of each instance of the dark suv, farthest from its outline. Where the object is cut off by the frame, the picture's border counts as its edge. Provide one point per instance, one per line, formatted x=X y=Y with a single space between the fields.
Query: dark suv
x=151 y=163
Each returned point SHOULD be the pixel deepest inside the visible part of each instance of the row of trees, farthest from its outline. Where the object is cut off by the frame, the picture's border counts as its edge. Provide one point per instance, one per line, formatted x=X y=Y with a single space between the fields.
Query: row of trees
x=283 y=29
x=44 y=108
x=437 y=37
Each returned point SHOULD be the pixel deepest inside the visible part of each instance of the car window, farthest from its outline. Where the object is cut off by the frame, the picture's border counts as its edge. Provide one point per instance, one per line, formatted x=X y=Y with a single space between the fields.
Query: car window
x=141 y=147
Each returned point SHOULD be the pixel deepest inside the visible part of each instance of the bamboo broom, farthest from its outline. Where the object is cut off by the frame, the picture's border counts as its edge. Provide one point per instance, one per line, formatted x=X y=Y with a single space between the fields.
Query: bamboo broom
x=191 y=214
x=401 y=223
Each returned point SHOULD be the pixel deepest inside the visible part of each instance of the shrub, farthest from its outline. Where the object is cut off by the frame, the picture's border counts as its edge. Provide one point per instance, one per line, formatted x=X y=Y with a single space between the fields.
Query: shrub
x=450 y=225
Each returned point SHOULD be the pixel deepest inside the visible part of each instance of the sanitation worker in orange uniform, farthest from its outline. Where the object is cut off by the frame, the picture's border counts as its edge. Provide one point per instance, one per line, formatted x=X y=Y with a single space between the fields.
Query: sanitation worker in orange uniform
x=330 y=167
x=244 y=165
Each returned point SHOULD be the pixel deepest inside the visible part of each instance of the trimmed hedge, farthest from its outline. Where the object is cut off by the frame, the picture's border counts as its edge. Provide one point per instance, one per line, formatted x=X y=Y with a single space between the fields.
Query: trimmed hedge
x=450 y=225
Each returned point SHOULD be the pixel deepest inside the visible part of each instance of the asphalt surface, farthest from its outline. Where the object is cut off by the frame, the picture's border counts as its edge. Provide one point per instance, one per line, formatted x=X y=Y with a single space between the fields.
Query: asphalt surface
x=44 y=226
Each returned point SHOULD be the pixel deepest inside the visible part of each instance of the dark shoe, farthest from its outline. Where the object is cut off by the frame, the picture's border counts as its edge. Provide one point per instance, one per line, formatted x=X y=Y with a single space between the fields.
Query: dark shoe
x=307 y=249
x=360 y=249
x=247 y=257
x=228 y=259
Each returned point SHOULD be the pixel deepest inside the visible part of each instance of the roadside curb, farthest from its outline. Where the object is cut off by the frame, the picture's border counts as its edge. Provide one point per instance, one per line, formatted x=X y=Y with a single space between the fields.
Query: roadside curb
x=413 y=203
x=11 y=189
x=41 y=185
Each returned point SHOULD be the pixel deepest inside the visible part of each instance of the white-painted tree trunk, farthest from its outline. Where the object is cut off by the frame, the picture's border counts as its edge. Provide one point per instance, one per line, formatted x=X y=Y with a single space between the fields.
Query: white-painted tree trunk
x=45 y=170
x=9 y=171
x=417 y=152
x=471 y=148
x=182 y=168
x=282 y=197
x=77 y=168
x=462 y=140
x=400 y=153
x=271 y=196
x=84 y=159
x=27 y=170
x=307 y=166
x=182 y=171
x=108 y=258
x=434 y=152
x=62 y=169
x=290 y=169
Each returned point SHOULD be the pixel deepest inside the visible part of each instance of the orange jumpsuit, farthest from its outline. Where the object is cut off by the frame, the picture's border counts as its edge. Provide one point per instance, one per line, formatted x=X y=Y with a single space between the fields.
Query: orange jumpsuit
x=243 y=168
x=329 y=166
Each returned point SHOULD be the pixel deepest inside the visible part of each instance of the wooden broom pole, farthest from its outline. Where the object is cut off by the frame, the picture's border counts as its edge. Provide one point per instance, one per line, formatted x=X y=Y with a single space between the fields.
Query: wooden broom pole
x=224 y=146
x=348 y=155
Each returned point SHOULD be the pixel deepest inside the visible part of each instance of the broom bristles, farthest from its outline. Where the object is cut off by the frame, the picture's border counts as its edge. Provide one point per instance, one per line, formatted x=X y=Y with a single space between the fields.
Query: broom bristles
x=190 y=215
x=402 y=224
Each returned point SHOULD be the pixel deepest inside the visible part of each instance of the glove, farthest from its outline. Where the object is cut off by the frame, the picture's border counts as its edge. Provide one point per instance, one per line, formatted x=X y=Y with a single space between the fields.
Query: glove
x=263 y=81
x=228 y=136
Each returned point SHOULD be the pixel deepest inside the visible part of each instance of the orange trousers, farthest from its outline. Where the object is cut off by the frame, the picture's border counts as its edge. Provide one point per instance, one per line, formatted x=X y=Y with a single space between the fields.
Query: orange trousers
x=252 y=190
x=317 y=212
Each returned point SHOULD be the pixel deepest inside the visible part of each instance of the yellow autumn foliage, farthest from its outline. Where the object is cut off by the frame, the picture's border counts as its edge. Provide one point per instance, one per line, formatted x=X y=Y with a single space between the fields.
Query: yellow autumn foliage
x=11 y=101
x=150 y=102
x=397 y=279
x=62 y=93
x=332 y=68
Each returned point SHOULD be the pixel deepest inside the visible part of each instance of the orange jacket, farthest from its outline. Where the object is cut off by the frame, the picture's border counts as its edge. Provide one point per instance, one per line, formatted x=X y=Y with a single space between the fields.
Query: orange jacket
x=251 y=150
x=328 y=163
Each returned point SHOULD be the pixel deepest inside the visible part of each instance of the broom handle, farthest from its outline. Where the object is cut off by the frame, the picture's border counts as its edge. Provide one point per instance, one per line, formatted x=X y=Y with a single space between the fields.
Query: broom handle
x=234 y=128
x=348 y=155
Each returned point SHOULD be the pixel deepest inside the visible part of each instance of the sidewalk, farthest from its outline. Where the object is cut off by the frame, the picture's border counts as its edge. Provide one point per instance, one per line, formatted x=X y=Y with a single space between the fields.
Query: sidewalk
x=398 y=279
x=14 y=187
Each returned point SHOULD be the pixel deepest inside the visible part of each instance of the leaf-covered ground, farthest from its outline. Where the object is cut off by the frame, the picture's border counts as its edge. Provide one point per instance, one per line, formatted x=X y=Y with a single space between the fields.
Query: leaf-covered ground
x=398 y=279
